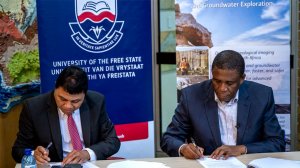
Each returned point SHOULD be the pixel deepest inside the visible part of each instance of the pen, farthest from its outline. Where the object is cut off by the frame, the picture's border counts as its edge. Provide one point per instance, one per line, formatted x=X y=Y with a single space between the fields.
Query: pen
x=193 y=142
x=49 y=145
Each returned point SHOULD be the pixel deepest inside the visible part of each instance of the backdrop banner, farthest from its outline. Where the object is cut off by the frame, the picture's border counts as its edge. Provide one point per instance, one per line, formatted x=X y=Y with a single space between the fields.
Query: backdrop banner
x=259 y=30
x=111 y=41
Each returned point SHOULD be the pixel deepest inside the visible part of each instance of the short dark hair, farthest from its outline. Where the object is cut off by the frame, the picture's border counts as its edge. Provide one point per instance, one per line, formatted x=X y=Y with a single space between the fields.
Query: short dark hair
x=231 y=60
x=73 y=79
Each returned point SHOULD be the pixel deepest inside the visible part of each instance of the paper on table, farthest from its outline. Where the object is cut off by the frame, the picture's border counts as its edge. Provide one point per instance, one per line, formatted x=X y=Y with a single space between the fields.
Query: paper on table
x=231 y=162
x=136 y=164
x=89 y=165
x=274 y=163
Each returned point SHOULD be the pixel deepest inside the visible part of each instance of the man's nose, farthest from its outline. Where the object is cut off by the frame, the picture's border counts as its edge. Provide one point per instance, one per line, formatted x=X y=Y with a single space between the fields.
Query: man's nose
x=68 y=104
x=223 y=87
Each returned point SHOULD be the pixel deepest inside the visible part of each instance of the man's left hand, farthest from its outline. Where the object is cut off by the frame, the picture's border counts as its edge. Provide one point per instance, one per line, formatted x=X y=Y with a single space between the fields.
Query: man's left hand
x=225 y=151
x=76 y=157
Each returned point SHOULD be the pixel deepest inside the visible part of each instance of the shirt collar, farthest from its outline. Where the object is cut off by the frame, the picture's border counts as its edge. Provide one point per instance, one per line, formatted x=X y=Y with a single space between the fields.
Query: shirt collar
x=62 y=115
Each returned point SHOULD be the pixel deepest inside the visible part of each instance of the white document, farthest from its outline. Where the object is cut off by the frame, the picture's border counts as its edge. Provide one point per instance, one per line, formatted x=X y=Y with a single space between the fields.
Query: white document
x=136 y=164
x=274 y=163
x=231 y=162
x=89 y=165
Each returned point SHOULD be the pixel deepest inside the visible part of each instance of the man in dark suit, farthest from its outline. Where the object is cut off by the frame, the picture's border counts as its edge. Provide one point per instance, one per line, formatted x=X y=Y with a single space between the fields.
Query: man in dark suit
x=225 y=116
x=47 y=118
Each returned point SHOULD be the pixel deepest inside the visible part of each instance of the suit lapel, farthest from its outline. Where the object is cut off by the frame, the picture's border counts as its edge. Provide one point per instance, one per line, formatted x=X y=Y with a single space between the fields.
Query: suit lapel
x=211 y=111
x=55 y=126
x=242 y=113
x=85 y=123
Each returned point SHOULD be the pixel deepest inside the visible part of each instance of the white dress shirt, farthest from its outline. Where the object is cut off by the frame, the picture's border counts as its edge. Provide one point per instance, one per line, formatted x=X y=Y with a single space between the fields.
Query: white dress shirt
x=66 y=139
x=227 y=112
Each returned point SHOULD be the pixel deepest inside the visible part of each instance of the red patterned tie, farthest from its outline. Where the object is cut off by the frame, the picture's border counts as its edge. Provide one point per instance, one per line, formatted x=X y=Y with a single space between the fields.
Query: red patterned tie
x=75 y=138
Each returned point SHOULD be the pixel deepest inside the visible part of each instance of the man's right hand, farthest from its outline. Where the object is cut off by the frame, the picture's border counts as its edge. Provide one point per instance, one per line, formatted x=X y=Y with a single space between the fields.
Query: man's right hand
x=41 y=155
x=191 y=151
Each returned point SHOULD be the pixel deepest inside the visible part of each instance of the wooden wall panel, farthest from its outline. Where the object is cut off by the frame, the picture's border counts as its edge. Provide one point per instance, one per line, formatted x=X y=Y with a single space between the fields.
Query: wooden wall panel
x=9 y=123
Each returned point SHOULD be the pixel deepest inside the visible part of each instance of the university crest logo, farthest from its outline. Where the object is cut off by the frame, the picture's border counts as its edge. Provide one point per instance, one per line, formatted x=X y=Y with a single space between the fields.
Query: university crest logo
x=97 y=29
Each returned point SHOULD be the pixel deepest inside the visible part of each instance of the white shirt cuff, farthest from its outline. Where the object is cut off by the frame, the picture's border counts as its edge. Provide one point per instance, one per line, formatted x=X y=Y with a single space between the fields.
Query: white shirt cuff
x=91 y=153
x=179 y=154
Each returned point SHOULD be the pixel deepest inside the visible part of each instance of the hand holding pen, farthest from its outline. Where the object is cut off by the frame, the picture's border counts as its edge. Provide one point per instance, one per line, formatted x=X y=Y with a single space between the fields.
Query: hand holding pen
x=41 y=154
x=191 y=150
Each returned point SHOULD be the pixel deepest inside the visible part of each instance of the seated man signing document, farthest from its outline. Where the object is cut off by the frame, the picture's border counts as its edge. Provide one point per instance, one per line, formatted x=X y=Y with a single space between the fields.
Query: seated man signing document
x=225 y=116
x=71 y=118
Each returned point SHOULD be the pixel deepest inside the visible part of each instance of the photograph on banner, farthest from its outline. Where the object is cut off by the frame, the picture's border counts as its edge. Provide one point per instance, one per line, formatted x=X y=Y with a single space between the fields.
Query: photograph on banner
x=191 y=65
x=259 y=30
x=19 y=55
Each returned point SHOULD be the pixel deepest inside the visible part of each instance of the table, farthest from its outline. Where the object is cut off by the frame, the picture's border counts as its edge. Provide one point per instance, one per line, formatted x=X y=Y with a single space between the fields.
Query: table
x=180 y=162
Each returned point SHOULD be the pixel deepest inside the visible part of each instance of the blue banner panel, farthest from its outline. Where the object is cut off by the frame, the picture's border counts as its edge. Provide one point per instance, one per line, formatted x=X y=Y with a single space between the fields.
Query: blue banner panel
x=111 y=40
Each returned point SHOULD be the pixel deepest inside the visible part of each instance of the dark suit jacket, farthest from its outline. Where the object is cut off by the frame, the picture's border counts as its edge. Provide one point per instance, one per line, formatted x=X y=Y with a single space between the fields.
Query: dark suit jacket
x=39 y=125
x=197 y=116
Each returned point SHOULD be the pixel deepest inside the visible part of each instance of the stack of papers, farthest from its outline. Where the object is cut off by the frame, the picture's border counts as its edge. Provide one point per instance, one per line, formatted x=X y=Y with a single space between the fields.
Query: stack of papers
x=136 y=164
x=231 y=162
x=274 y=163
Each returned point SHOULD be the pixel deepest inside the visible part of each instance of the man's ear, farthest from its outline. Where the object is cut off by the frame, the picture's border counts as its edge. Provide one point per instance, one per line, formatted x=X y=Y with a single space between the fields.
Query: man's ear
x=242 y=78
